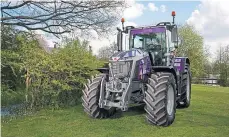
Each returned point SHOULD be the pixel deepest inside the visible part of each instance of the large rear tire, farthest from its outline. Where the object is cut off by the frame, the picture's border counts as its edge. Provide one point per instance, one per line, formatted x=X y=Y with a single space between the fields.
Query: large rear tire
x=90 y=99
x=160 y=99
x=185 y=99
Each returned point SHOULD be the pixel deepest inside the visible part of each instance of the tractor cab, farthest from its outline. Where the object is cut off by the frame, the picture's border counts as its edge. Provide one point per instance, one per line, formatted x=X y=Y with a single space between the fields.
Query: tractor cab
x=159 y=41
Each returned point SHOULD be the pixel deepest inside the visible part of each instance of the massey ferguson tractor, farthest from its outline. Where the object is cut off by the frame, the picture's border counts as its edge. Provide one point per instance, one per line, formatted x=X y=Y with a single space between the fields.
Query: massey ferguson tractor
x=148 y=74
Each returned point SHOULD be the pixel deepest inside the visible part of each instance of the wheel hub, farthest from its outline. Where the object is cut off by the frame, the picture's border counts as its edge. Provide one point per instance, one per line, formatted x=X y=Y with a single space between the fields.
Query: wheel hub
x=170 y=100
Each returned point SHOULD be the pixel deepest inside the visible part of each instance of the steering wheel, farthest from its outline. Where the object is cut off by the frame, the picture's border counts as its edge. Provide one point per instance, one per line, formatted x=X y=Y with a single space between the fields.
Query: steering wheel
x=153 y=47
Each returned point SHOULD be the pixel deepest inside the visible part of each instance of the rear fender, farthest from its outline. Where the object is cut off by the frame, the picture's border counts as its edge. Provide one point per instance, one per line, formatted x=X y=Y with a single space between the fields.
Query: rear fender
x=180 y=62
x=180 y=65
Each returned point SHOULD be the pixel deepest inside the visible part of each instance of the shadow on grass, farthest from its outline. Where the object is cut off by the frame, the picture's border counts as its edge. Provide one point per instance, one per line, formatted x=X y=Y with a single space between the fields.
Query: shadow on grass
x=180 y=108
x=132 y=111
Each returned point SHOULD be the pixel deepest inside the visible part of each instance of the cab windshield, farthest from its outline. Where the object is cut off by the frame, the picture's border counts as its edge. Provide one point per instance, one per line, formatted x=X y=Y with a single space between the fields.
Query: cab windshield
x=148 y=39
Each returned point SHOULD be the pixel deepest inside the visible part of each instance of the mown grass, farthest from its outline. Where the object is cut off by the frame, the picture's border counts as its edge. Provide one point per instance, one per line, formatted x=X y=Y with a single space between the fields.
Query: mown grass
x=208 y=116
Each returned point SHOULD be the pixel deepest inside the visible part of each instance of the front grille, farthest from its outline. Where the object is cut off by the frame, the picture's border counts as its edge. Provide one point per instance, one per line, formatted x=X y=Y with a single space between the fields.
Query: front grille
x=121 y=69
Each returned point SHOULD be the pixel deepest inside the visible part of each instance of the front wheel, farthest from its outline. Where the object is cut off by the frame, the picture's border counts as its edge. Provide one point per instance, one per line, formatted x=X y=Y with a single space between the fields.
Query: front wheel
x=160 y=99
x=90 y=99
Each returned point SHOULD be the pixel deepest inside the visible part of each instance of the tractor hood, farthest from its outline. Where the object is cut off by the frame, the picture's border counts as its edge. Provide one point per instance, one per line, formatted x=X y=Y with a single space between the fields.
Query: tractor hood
x=135 y=60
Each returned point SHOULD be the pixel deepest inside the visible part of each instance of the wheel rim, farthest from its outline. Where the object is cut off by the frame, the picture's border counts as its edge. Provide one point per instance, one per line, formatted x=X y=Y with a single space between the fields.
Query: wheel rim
x=170 y=100
x=188 y=88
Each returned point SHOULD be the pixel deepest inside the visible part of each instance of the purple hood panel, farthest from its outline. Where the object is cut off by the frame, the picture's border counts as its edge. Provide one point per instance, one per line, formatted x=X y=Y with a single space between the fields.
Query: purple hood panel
x=147 y=30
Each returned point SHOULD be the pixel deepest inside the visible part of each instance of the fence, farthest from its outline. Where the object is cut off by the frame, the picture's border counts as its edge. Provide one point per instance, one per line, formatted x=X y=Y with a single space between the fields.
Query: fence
x=208 y=81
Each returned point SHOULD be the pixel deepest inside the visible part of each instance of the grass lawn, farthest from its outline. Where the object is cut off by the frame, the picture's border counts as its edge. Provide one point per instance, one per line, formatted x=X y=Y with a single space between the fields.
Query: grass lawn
x=207 y=116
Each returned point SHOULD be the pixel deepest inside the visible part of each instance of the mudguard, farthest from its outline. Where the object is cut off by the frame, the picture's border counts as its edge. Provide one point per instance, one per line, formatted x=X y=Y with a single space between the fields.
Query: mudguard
x=180 y=63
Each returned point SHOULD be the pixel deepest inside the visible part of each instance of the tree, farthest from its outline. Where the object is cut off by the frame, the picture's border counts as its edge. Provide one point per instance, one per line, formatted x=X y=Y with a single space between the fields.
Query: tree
x=54 y=78
x=221 y=65
x=61 y=16
x=193 y=48
x=208 y=64
x=106 y=52
x=10 y=58
x=12 y=64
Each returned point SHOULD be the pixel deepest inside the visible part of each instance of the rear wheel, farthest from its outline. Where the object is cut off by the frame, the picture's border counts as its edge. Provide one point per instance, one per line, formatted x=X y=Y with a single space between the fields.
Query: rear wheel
x=160 y=99
x=184 y=101
x=90 y=98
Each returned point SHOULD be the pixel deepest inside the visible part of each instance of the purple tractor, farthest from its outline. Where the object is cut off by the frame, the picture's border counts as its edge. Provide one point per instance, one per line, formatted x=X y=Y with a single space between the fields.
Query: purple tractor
x=148 y=74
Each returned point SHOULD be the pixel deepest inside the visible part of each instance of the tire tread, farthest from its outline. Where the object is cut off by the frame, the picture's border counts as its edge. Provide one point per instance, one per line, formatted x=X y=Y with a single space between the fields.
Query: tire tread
x=156 y=97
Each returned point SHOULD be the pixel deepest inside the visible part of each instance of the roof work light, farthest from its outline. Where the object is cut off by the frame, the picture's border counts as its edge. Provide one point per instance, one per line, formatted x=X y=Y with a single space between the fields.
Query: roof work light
x=173 y=14
x=123 y=20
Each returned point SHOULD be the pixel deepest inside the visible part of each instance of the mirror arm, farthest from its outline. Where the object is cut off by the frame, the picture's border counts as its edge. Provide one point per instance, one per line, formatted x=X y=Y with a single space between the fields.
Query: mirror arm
x=119 y=29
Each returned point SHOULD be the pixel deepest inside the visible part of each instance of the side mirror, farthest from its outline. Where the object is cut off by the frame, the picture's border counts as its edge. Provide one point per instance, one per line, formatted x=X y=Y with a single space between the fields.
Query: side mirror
x=119 y=40
x=174 y=36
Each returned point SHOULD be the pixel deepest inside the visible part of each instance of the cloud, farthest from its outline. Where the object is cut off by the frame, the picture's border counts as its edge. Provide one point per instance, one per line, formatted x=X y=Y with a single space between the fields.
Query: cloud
x=44 y=38
x=152 y=7
x=211 y=19
x=135 y=10
x=39 y=32
x=163 y=8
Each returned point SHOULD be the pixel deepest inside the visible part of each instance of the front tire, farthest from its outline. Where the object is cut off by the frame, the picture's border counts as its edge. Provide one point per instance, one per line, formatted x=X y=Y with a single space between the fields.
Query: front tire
x=90 y=99
x=160 y=99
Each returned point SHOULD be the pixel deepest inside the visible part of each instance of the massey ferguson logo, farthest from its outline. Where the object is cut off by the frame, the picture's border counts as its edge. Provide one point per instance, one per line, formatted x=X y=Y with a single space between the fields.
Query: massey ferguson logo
x=115 y=58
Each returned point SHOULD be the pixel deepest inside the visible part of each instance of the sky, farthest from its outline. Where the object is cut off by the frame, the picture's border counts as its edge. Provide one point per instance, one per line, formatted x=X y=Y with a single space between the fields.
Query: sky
x=209 y=17
x=146 y=12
